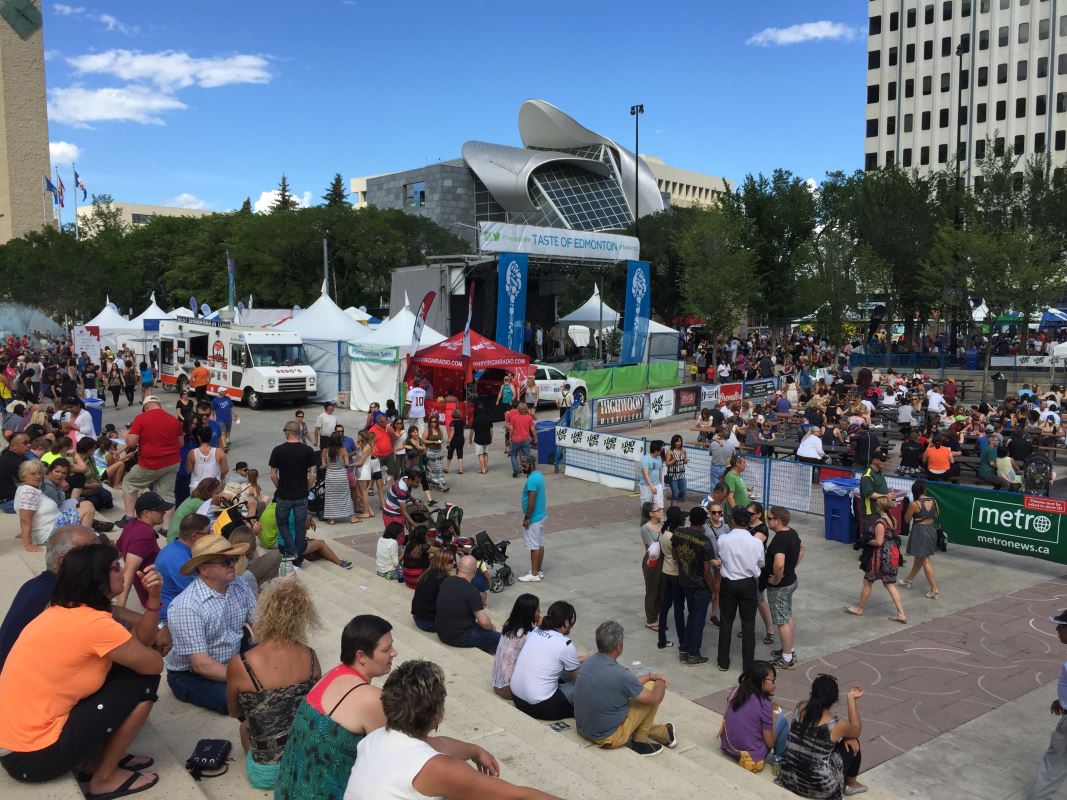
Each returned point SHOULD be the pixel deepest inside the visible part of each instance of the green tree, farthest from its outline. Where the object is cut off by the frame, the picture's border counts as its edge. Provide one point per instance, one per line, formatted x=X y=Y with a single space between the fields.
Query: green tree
x=246 y=206
x=285 y=200
x=336 y=195
x=661 y=237
x=718 y=270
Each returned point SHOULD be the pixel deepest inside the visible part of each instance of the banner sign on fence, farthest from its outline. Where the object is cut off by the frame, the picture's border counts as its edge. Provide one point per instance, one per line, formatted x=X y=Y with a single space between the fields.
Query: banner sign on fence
x=686 y=399
x=620 y=410
x=1042 y=362
x=661 y=404
x=761 y=389
x=709 y=395
x=598 y=442
x=1010 y=523
x=730 y=392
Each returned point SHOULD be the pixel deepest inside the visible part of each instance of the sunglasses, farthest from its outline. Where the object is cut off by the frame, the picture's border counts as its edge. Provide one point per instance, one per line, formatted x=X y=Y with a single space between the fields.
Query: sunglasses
x=715 y=513
x=225 y=562
x=299 y=416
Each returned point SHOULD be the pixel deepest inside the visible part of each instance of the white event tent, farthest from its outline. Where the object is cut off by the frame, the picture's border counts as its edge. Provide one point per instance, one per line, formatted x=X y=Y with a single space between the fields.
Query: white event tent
x=142 y=341
x=592 y=315
x=326 y=331
x=115 y=329
x=379 y=359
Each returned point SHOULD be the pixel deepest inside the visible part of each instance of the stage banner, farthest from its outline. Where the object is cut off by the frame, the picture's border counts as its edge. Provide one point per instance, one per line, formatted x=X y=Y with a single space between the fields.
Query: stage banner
x=497 y=237
x=1025 y=525
x=609 y=444
x=709 y=395
x=511 y=300
x=661 y=404
x=686 y=399
x=635 y=316
x=620 y=410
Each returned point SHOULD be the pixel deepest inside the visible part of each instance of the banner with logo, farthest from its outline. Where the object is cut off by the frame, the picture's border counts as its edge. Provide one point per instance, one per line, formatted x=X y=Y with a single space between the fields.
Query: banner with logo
x=730 y=392
x=1010 y=523
x=609 y=444
x=420 y=321
x=620 y=410
x=709 y=395
x=511 y=300
x=635 y=316
x=661 y=404
x=87 y=340
x=760 y=389
x=497 y=237
x=686 y=399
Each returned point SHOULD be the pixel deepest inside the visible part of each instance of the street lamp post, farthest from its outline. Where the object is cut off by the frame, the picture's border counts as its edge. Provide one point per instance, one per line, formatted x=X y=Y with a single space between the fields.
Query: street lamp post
x=636 y=112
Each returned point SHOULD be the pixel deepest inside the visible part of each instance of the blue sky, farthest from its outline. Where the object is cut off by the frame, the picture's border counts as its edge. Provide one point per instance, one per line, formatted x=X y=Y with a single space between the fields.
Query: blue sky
x=204 y=104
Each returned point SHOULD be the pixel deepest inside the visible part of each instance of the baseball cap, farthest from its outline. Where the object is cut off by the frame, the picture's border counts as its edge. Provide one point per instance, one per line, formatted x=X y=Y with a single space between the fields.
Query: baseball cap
x=329 y=403
x=150 y=399
x=150 y=501
x=989 y=428
x=880 y=454
x=1059 y=619
x=240 y=465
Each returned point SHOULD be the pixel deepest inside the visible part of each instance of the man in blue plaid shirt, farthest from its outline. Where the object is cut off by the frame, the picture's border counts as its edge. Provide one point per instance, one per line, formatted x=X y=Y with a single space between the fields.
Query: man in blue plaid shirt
x=207 y=623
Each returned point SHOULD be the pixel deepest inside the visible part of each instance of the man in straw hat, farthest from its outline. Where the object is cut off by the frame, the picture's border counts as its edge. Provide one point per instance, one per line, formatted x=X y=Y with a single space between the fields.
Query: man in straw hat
x=207 y=623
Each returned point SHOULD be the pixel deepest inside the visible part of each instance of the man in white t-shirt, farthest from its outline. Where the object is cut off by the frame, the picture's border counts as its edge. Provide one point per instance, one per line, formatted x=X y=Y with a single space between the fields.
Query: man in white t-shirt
x=77 y=418
x=416 y=399
x=542 y=684
x=325 y=424
x=935 y=401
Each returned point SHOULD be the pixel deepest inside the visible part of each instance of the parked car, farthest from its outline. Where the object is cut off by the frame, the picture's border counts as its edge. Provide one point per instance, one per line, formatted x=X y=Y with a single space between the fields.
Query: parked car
x=549 y=380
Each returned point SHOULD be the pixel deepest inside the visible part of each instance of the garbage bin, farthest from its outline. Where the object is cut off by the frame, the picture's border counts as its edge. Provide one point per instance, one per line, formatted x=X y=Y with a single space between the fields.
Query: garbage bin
x=95 y=408
x=839 y=523
x=1000 y=386
x=545 y=430
x=971 y=358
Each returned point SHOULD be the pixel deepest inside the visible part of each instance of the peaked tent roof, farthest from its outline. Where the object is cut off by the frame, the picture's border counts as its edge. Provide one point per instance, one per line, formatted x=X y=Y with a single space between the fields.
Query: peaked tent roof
x=589 y=314
x=485 y=353
x=152 y=312
x=324 y=320
x=396 y=332
x=110 y=319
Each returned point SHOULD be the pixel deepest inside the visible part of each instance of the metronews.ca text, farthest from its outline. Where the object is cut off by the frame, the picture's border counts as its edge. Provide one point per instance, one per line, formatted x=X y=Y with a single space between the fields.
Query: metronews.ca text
x=1012 y=544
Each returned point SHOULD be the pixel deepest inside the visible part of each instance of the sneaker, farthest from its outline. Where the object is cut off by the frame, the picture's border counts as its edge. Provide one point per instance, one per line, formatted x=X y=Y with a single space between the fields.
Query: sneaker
x=646 y=748
x=672 y=740
x=103 y=527
x=776 y=653
x=781 y=663
x=694 y=660
x=722 y=668
x=345 y=564
x=514 y=474
x=124 y=521
x=682 y=656
x=530 y=577
x=541 y=574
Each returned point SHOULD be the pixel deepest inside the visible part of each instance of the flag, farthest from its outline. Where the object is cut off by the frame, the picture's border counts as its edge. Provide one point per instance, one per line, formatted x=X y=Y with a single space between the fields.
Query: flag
x=60 y=189
x=420 y=321
x=80 y=184
x=467 y=329
x=50 y=187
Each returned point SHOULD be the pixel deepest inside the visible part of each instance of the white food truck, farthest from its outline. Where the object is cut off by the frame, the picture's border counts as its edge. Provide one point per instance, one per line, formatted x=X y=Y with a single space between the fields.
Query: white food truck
x=250 y=365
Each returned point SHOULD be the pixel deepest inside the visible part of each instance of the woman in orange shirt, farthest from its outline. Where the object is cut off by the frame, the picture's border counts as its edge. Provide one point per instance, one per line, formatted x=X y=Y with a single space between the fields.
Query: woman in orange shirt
x=77 y=687
x=938 y=460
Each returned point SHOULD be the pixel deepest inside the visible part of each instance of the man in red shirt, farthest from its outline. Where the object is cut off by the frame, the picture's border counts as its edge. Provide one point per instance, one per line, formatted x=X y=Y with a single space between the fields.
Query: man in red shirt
x=384 y=438
x=158 y=436
x=519 y=423
x=138 y=545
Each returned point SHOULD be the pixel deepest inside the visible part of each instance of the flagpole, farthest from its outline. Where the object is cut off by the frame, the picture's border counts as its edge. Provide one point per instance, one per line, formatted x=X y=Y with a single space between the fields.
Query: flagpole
x=75 y=169
x=60 y=206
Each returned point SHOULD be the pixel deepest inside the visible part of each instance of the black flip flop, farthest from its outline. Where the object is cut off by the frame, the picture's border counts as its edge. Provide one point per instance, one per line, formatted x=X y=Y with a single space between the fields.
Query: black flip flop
x=124 y=763
x=125 y=790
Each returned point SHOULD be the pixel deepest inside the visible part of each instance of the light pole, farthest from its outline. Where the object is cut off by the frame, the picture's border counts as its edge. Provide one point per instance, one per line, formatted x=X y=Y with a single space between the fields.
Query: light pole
x=636 y=112
x=961 y=48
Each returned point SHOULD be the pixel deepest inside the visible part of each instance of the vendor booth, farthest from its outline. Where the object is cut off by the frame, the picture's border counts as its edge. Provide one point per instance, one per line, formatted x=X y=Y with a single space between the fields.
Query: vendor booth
x=379 y=360
x=115 y=329
x=147 y=325
x=594 y=314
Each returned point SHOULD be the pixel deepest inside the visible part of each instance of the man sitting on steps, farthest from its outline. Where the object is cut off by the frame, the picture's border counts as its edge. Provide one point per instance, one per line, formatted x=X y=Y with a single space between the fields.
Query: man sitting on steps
x=461 y=619
x=614 y=708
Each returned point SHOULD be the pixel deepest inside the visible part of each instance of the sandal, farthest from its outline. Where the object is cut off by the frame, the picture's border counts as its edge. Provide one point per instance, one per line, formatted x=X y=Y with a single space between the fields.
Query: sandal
x=852 y=611
x=897 y=619
x=905 y=583
x=665 y=645
x=652 y=626
x=768 y=639
x=125 y=789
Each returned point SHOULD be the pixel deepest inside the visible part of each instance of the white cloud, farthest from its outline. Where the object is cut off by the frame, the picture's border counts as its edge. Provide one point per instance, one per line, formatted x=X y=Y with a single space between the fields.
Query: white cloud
x=171 y=70
x=63 y=10
x=111 y=24
x=186 y=200
x=63 y=152
x=50 y=54
x=804 y=32
x=78 y=106
x=268 y=199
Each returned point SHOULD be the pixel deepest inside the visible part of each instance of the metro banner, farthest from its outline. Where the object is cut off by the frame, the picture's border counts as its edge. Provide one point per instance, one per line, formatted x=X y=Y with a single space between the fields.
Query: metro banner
x=1010 y=523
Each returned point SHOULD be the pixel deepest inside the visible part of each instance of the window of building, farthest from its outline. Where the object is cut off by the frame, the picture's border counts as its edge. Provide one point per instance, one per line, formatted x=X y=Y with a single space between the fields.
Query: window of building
x=874 y=27
x=909 y=53
x=1024 y=32
x=872 y=93
x=894 y=20
x=928 y=84
x=1020 y=71
x=872 y=128
x=908 y=120
x=965 y=79
x=946 y=81
x=1020 y=145
x=1042 y=67
x=924 y=121
x=910 y=17
x=946 y=10
x=983 y=7
x=979 y=149
x=1061 y=102
x=942 y=118
x=1002 y=36
x=870 y=161
x=415 y=194
x=141 y=219
x=906 y=157
x=928 y=14
x=946 y=45
x=983 y=40
x=909 y=87
x=1002 y=73
x=961 y=117
x=1040 y=105
x=1025 y=2
x=1020 y=107
x=924 y=156
x=1063 y=25
x=891 y=91
x=979 y=113
x=1002 y=110
x=1005 y=4
x=961 y=151
x=965 y=8
x=874 y=59
x=979 y=183
x=928 y=49
x=1039 y=142
x=892 y=56
x=1061 y=140
x=889 y=158
x=965 y=42
x=1042 y=29
x=983 y=76
x=1061 y=64
x=890 y=126
x=998 y=146
x=942 y=153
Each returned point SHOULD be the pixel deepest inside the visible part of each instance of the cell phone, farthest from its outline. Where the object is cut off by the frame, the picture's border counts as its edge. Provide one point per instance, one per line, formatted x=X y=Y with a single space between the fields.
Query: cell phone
x=559 y=726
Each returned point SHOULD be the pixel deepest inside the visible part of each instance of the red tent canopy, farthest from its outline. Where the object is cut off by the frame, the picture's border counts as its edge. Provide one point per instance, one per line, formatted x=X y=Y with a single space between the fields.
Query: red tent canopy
x=485 y=353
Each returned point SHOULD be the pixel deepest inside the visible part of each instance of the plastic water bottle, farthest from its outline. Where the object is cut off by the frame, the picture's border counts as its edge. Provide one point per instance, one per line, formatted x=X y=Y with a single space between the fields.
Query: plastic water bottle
x=286 y=567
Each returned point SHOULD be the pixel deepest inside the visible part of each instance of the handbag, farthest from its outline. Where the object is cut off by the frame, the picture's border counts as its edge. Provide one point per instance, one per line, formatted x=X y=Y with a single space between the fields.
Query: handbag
x=209 y=758
x=942 y=540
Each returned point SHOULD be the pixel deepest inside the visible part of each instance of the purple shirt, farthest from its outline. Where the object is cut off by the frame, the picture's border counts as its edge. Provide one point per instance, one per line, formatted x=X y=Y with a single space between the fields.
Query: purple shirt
x=744 y=727
x=139 y=538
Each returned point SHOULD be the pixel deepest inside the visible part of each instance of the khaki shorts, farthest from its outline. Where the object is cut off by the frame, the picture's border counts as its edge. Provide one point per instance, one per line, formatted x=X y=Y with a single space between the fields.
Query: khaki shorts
x=160 y=481
x=481 y=449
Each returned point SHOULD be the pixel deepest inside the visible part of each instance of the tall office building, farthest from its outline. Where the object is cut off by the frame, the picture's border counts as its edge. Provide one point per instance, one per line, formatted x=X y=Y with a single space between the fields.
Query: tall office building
x=947 y=76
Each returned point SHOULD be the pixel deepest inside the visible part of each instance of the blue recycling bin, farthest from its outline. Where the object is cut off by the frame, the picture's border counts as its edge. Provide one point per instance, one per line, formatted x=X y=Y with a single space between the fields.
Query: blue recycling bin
x=96 y=411
x=971 y=358
x=840 y=524
x=545 y=430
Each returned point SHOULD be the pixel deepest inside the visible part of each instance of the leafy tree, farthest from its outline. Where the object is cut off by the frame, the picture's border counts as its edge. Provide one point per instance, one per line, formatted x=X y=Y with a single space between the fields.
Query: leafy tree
x=718 y=270
x=246 y=206
x=661 y=237
x=336 y=195
x=285 y=200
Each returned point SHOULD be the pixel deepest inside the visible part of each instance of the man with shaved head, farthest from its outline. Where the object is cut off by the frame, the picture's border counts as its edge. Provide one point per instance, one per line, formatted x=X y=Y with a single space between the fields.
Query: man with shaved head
x=461 y=618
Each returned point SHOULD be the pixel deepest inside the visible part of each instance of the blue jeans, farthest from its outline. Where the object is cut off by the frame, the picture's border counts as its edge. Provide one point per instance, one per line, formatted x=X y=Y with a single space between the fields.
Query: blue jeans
x=716 y=473
x=678 y=489
x=292 y=541
x=671 y=594
x=781 y=734
x=427 y=625
x=8 y=507
x=516 y=448
x=482 y=639
x=697 y=599
x=198 y=690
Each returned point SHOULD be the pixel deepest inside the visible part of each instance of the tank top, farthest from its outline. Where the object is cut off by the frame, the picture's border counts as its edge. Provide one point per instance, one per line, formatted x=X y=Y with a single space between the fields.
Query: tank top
x=205 y=465
x=937 y=459
x=387 y=763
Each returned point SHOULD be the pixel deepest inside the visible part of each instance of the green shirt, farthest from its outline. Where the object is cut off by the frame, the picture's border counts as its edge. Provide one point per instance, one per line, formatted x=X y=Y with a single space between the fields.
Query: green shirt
x=872 y=482
x=736 y=484
x=988 y=466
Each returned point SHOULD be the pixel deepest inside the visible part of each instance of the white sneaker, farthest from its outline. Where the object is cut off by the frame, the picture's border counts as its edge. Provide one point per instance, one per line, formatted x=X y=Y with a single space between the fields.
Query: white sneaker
x=527 y=578
x=541 y=574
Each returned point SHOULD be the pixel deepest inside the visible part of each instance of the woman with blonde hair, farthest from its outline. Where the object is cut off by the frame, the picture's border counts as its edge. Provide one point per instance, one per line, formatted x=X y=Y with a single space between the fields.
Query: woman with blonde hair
x=361 y=466
x=266 y=685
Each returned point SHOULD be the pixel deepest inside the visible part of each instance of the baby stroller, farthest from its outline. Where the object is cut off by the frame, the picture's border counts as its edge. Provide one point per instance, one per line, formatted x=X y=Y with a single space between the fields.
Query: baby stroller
x=1037 y=474
x=450 y=512
x=495 y=557
x=317 y=495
